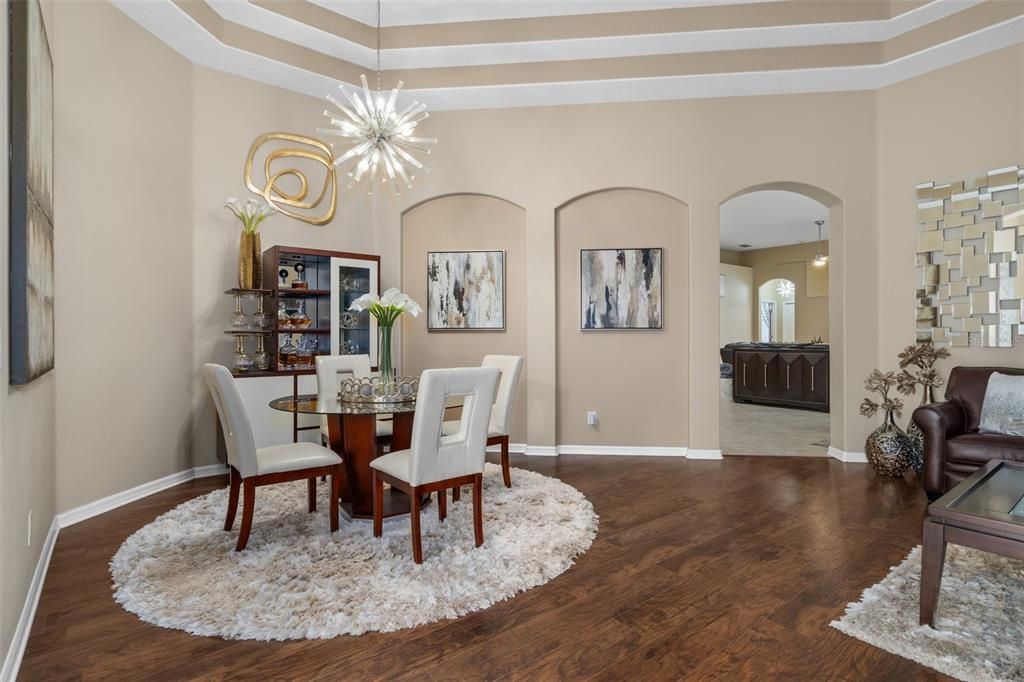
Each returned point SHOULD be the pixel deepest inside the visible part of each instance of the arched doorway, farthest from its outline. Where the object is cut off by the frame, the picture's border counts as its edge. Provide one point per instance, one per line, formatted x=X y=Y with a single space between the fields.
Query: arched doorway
x=795 y=308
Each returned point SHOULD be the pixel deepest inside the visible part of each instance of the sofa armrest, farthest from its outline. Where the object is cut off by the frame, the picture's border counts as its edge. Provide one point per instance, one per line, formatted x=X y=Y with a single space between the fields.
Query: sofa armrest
x=938 y=422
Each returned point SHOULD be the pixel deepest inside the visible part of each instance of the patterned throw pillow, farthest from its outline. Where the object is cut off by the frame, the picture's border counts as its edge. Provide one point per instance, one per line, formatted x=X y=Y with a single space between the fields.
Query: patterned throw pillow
x=1003 y=409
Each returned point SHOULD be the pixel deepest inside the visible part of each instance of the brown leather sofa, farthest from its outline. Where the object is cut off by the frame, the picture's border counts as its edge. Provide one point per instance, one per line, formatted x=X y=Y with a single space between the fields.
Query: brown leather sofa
x=953 y=448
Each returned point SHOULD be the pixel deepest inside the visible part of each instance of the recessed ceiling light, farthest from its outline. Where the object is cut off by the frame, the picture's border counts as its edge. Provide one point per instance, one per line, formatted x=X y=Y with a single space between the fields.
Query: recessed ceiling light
x=744 y=246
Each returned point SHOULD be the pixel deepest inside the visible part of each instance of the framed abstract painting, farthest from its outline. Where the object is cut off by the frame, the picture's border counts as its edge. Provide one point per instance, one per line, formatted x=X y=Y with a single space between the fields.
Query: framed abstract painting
x=466 y=290
x=31 y=200
x=621 y=289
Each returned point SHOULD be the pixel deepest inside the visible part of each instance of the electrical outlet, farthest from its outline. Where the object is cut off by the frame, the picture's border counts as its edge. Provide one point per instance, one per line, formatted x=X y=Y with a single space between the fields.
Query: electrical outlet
x=29 y=527
x=591 y=418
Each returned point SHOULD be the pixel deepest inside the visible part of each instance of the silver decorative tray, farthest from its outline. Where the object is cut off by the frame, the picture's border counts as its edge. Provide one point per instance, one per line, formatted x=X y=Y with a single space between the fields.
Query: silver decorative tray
x=373 y=390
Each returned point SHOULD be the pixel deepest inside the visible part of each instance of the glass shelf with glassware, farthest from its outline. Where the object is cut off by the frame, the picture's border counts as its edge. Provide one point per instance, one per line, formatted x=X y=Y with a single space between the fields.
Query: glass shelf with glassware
x=311 y=291
x=244 y=325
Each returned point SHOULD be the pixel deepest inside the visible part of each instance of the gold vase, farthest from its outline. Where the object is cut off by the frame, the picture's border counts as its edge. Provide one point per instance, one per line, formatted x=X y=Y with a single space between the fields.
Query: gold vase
x=257 y=261
x=245 y=261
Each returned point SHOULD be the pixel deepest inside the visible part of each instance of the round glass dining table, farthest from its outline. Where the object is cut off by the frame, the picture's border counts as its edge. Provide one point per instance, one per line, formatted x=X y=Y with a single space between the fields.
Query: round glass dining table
x=352 y=433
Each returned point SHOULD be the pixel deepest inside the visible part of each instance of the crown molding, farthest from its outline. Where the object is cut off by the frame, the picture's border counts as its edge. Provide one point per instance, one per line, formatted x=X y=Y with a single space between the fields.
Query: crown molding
x=320 y=39
x=164 y=20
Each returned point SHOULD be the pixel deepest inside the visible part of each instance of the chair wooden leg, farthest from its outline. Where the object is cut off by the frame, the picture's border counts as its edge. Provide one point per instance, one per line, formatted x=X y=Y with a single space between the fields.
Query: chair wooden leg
x=235 y=483
x=505 y=473
x=335 y=494
x=478 y=509
x=311 y=494
x=442 y=504
x=414 y=526
x=456 y=494
x=378 y=505
x=248 y=502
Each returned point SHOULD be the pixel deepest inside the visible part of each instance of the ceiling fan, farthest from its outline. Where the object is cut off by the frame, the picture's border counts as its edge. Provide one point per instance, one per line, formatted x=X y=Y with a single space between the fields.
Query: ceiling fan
x=820 y=259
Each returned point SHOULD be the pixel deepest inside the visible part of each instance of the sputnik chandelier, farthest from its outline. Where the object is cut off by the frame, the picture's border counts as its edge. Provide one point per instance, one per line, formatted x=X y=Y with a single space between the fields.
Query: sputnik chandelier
x=382 y=139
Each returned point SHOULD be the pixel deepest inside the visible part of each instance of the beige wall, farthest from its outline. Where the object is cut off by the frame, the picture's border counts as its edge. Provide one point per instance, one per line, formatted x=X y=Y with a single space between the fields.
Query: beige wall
x=540 y=158
x=466 y=222
x=735 y=321
x=635 y=380
x=922 y=137
x=123 y=259
x=730 y=257
x=27 y=443
x=228 y=113
x=767 y=264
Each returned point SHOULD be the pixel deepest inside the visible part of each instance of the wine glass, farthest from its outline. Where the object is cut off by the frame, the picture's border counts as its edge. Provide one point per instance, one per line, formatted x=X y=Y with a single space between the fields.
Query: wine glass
x=260 y=319
x=239 y=319
x=241 y=361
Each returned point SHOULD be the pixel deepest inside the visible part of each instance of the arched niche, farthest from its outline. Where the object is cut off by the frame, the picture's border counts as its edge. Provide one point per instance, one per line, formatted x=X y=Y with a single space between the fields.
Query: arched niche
x=465 y=222
x=636 y=380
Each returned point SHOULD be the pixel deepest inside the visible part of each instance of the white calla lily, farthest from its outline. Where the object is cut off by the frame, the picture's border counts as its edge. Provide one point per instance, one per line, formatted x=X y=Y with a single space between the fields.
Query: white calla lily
x=388 y=307
x=250 y=212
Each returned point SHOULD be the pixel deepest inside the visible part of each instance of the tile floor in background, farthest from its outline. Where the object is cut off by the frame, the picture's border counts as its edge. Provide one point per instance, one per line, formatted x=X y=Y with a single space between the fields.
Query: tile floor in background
x=761 y=430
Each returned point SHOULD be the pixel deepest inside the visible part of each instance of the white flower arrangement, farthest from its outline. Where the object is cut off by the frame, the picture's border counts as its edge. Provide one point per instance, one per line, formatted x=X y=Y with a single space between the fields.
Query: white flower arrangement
x=251 y=212
x=387 y=308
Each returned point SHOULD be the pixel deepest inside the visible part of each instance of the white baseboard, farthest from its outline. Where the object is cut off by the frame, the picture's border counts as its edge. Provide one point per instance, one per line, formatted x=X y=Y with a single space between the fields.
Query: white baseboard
x=703 y=454
x=851 y=457
x=105 y=504
x=513 y=448
x=12 y=661
x=541 y=450
x=623 y=450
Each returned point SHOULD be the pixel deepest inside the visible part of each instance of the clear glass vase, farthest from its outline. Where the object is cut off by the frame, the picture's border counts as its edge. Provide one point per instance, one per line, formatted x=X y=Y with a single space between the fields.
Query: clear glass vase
x=387 y=370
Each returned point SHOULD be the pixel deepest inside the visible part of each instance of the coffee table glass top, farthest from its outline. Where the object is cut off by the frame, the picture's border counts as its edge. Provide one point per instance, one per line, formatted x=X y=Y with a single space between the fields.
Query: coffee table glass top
x=995 y=492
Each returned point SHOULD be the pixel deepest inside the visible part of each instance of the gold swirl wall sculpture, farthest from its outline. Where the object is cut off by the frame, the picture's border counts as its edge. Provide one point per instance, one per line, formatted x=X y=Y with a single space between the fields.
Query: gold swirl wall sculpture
x=289 y=163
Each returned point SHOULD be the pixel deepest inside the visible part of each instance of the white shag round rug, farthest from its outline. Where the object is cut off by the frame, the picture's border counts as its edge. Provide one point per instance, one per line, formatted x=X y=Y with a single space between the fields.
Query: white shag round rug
x=297 y=581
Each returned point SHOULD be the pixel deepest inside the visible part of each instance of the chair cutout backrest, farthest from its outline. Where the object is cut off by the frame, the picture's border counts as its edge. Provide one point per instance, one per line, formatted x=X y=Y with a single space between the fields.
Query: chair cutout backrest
x=329 y=367
x=436 y=457
x=504 y=402
x=233 y=419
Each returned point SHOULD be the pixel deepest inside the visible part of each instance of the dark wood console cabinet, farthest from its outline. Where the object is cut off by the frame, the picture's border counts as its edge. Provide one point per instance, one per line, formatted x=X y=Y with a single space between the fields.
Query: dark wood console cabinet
x=791 y=377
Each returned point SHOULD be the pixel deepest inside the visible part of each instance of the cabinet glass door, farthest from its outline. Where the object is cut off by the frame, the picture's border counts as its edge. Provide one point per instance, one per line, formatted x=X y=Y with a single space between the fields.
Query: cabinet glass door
x=353 y=333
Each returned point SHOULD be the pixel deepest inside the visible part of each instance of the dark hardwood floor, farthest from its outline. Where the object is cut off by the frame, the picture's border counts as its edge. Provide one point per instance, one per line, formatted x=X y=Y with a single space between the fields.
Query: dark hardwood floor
x=726 y=569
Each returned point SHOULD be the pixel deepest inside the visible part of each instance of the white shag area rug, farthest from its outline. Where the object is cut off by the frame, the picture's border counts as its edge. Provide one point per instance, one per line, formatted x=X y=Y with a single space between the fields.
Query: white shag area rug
x=297 y=581
x=979 y=623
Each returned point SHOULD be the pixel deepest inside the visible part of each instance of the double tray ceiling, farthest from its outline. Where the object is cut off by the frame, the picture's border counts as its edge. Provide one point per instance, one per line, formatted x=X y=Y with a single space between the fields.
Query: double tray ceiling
x=466 y=55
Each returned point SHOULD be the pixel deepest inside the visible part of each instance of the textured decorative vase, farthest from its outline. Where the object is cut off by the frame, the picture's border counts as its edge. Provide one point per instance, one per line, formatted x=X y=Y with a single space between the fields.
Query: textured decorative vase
x=888 y=449
x=257 y=261
x=915 y=437
x=387 y=370
x=245 y=261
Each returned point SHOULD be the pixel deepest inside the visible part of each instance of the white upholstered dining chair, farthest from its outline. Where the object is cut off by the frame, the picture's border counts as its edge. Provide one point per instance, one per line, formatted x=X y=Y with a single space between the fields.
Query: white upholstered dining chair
x=436 y=462
x=251 y=466
x=501 y=412
x=329 y=371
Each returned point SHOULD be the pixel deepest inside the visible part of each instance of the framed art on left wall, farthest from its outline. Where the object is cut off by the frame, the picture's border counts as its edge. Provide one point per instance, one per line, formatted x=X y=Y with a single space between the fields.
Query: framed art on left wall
x=31 y=173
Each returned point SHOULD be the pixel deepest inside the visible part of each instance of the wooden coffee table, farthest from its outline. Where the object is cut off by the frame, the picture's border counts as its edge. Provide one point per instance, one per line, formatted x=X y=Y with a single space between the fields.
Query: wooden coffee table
x=985 y=511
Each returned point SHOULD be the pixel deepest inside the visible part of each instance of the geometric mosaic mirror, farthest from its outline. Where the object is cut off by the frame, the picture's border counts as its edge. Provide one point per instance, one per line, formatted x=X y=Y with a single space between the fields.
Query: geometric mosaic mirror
x=970 y=261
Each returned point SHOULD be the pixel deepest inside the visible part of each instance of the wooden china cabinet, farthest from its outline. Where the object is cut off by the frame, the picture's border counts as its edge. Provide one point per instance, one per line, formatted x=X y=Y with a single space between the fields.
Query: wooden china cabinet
x=309 y=292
